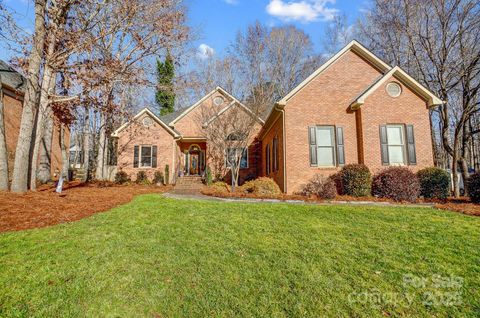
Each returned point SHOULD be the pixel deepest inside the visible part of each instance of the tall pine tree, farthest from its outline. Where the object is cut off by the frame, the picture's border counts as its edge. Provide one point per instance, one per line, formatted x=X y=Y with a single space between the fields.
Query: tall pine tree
x=165 y=96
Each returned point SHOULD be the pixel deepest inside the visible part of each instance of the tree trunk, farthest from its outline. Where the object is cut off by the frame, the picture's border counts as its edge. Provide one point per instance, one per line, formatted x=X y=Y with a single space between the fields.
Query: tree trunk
x=63 y=148
x=45 y=164
x=456 y=185
x=86 y=147
x=100 y=171
x=3 y=145
x=44 y=111
x=22 y=152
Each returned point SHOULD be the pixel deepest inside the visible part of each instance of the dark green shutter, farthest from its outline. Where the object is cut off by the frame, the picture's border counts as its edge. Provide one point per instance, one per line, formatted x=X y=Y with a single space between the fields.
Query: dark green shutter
x=340 y=147
x=412 y=154
x=154 y=156
x=384 y=144
x=135 y=156
x=202 y=160
x=312 y=140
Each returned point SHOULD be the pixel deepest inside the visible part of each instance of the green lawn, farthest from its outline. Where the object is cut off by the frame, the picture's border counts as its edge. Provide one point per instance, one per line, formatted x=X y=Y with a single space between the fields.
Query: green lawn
x=159 y=257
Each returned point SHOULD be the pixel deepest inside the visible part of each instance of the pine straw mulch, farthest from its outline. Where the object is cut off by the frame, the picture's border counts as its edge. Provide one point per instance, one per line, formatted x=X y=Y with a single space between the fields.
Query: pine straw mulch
x=78 y=200
x=462 y=205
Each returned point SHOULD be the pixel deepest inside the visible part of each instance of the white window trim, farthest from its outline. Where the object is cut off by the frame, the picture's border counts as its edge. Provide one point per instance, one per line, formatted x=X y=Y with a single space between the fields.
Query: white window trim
x=140 y=161
x=226 y=157
x=334 y=146
x=404 y=146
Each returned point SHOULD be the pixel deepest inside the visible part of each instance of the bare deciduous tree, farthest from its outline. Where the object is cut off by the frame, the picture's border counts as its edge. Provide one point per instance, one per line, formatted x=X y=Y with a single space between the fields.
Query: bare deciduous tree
x=438 y=42
x=22 y=153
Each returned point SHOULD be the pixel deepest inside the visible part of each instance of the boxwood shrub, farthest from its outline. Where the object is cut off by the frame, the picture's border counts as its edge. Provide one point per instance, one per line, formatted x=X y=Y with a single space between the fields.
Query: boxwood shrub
x=121 y=177
x=142 y=178
x=396 y=183
x=356 y=180
x=473 y=187
x=434 y=183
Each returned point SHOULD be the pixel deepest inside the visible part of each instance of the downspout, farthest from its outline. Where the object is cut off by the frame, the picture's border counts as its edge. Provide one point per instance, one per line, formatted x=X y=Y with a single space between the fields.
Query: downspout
x=281 y=108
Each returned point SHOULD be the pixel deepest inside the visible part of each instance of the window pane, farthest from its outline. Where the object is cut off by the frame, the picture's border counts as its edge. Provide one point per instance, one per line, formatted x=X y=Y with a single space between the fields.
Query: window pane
x=396 y=155
x=394 y=135
x=325 y=156
x=244 y=162
x=146 y=156
x=324 y=136
x=146 y=151
x=230 y=156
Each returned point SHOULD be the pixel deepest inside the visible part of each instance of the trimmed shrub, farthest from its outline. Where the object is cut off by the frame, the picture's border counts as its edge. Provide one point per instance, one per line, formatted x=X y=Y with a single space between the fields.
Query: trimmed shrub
x=434 y=183
x=320 y=186
x=158 y=178
x=219 y=186
x=142 y=178
x=208 y=176
x=262 y=186
x=167 y=174
x=121 y=177
x=473 y=187
x=337 y=179
x=396 y=183
x=356 y=180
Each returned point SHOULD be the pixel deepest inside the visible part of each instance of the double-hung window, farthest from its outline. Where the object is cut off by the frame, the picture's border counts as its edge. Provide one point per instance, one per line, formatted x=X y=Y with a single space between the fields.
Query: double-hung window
x=275 y=154
x=267 y=159
x=397 y=144
x=234 y=153
x=326 y=146
x=146 y=156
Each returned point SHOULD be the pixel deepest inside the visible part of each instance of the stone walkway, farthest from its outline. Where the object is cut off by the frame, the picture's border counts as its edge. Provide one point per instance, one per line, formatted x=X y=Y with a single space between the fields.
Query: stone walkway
x=200 y=196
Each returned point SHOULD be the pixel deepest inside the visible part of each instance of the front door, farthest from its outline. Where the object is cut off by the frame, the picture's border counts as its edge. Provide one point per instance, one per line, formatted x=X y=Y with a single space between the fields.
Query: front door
x=194 y=164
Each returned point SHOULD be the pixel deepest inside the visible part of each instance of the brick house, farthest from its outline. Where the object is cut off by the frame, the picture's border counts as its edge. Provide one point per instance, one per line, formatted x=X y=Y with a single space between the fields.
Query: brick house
x=13 y=89
x=354 y=109
x=149 y=142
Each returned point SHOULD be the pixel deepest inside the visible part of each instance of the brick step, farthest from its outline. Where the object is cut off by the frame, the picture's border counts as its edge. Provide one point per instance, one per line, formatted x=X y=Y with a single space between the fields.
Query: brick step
x=188 y=185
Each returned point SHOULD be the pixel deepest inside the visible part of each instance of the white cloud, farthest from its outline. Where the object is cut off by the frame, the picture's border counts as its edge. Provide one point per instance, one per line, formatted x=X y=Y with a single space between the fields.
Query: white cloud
x=204 y=51
x=303 y=11
x=231 y=1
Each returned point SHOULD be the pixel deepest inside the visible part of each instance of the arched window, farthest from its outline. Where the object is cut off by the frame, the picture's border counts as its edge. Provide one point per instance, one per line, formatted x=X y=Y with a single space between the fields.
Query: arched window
x=236 y=136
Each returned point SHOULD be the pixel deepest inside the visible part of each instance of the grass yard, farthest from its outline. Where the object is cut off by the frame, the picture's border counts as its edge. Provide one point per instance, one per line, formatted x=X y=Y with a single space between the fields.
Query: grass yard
x=158 y=257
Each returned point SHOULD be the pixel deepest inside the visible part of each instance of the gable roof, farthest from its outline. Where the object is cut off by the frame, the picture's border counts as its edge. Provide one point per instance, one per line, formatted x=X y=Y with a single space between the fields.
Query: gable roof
x=403 y=77
x=151 y=114
x=185 y=111
x=354 y=46
x=233 y=103
x=11 y=78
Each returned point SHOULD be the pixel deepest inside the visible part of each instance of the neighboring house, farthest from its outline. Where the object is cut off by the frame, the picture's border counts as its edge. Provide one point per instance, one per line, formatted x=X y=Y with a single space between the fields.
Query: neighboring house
x=354 y=109
x=13 y=86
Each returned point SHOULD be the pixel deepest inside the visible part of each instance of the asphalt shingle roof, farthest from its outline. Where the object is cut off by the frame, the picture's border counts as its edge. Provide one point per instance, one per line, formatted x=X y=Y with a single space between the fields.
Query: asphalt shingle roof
x=11 y=78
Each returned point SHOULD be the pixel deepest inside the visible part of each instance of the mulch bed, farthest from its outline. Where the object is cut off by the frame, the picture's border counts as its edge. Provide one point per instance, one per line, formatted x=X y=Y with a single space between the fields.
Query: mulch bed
x=462 y=205
x=78 y=200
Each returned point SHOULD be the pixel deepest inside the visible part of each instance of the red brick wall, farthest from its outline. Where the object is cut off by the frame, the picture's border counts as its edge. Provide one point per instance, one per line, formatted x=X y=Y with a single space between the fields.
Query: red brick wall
x=408 y=108
x=276 y=130
x=325 y=101
x=155 y=135
x=190 y=125
x=13 y=104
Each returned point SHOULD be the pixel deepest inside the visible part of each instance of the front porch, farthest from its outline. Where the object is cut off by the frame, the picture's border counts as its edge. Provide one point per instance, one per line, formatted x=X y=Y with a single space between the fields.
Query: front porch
x=192 y=157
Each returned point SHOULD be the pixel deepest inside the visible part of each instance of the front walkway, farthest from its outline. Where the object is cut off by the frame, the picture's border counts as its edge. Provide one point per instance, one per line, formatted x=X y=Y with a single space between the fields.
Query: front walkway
x=199 y=196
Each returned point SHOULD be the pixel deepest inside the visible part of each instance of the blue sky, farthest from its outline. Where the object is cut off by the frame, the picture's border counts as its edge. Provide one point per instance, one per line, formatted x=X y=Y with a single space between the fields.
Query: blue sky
x=218 y=21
